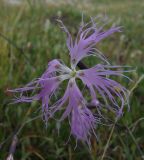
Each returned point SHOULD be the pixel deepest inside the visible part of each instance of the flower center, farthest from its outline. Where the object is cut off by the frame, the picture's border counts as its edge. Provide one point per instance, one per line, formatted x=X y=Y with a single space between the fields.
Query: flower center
x=73 y=73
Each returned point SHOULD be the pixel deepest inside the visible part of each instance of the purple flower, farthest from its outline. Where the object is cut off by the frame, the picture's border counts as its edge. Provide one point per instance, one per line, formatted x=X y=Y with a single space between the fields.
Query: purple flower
x=104 y=92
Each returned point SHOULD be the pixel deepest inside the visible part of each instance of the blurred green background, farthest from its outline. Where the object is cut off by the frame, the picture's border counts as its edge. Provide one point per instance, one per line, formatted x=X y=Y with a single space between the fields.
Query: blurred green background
x=29 y=38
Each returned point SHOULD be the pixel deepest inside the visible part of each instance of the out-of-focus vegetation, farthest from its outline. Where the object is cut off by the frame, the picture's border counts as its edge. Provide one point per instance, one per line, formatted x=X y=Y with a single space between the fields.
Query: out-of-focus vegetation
x=29 y=38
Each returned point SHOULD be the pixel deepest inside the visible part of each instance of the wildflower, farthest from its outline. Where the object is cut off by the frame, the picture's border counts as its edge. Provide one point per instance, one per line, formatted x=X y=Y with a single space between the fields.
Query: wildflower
x=104 y=92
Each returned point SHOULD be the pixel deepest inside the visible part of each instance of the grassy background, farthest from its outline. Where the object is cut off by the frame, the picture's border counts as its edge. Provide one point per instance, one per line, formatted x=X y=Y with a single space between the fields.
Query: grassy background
x=29 y=38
